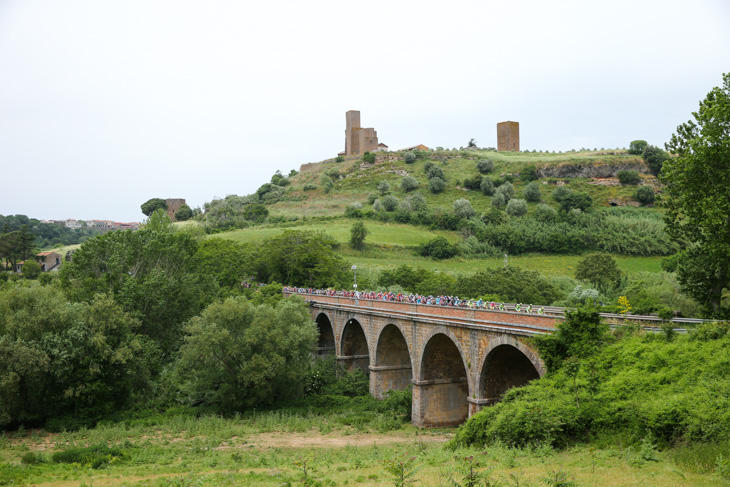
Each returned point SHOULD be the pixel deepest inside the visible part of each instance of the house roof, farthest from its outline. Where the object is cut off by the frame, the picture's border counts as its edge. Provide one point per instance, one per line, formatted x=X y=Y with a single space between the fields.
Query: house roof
x=45 y=253
x=382 y=145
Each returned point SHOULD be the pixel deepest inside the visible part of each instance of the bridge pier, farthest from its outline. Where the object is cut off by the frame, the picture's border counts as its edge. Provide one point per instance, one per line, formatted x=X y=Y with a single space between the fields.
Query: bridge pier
x=384 y=378
x=477 y=404
x=352 y=361
x=440 y=402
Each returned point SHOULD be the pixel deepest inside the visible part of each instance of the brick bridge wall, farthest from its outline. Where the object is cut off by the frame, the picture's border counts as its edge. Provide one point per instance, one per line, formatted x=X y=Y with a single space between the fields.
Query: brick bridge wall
x=457 y=359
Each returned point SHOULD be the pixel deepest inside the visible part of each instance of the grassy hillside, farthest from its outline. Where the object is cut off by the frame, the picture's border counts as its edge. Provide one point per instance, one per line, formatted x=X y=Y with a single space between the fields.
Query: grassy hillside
x=356 y=183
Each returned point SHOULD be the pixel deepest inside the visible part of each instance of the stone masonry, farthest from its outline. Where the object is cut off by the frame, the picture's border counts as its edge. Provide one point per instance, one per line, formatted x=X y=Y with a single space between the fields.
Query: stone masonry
x=173 y=204
x=508 y=136
x=358 y=140
x=457 y=359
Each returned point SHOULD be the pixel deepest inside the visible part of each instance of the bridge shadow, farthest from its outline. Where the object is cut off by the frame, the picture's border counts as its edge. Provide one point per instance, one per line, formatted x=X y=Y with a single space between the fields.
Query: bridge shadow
x=504 y=367
x=354 y=347
x=326 y=343
x=392 y=370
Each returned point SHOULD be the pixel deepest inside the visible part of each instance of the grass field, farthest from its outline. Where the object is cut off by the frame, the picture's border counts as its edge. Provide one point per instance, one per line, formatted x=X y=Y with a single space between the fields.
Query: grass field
x=273 y=449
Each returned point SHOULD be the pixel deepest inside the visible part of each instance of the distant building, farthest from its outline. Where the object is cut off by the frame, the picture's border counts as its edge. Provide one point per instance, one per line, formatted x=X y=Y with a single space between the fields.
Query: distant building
x=173 y=204
x=71 y=223
x=357 y=139
x=415 y=147
x=49 y=261
x=508 y=136
x=382 y=147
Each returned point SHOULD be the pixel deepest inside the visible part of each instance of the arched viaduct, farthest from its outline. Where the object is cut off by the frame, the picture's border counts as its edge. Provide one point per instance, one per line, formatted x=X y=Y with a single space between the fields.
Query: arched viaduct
x=457 y=359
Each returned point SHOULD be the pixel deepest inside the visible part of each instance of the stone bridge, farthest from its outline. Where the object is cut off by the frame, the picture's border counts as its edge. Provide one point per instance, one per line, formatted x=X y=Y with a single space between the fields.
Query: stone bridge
x=458 y=359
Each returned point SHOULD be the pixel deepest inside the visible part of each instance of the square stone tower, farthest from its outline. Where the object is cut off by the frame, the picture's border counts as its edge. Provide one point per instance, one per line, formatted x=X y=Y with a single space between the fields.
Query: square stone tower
x=508 y=136
x=357 y=139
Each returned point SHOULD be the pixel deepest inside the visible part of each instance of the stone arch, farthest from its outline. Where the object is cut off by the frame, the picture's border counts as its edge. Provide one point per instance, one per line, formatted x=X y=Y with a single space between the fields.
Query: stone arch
x=443 y=382
x=393 y=368
x=354 y=349
x=326 y=343
x=507 y=363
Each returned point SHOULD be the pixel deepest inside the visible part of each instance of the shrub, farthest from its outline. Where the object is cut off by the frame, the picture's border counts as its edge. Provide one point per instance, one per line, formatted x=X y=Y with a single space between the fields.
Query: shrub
x=581 y=201
x=546 y=214
x=645 y=194
x=529 y=173
x=434 y=171
x=377 y=205
x=372 y=197
x=384 y=187
x=560 y=193
x=354 y=210
x=389 y=202
x=599 y=269
x=463 y=208
x=409 y=157
x=497 y=182
x=436 y=185
x=499 y=201
x=629 y=177
x=358 y=232
x=532 y=192
x=184 y=213
x=328 y=186
x=485 y=166
x=494 y=216
x=654 y=158
x=636 y=147
x=408 y=183
x=473 y=183
x=508 y=190
x=93 y=456
x=309 y=187
x=369 y=157
x=339 y=159
x=256 y=213
x=334 y=173
x=418 y=202
x=437 y=248
x=509 y=178
x=31 y=269
x=487 y=187
x=516 y=207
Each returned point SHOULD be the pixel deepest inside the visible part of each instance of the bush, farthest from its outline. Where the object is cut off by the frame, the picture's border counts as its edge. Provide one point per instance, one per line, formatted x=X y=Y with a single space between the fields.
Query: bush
x=636 y=147
x=599 y=269
x=532 y=192
x=473 y=183
x=436 y=185
x=339 y=159
x=93 y=456
x=487 y=187
x=499 y=201
x=529 y=173
x=354 y=210
x=629 y=177
x=561 y=192
x=384 y=187
x=516 y=207
x=546 y=214
x=508 y=190
x=408 y=183
x=31 y=269
x=369 y=157
x=581 y=201
x=485 y=166
x=358 y=232
x=437 y=248
x=389 y=202
x=494 y=216
x=433 y=171
x=654 y=157
x=309 y=187
x=645 y=194
x=184 y=213
x=409 y=157
x=463 y=208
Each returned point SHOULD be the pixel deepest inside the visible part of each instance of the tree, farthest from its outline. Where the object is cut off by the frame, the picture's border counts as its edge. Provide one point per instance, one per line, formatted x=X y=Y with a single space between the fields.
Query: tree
x=238 y=355
x=499 y=201
x=463 y=208
x=409 y=157
x=697 y=197
x=645 y=194
x=576 y=200
x=529 y=173
x=654 y=158
x=485 y=166
x=384 y=187
x=389 y=202
x=31 y=269
x=516 y=207
x=436 y=185
x=408 y=183
x=507 y=189
x=184 y=213
x=532 y=192
x=636 y=147
x=152 y=205
x=437 y=248
x=472 y=144
x=599 y=269
x=228 y=262
x=629 y=177
x=300 y=258
x=358 y=232
x=369 y=157
x=159 y=221
x=487 y=187
x=256 y=213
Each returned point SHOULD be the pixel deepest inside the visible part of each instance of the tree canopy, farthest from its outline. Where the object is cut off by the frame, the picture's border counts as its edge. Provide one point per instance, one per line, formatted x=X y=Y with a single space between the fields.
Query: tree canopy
x=152 y=205
x=697 y=197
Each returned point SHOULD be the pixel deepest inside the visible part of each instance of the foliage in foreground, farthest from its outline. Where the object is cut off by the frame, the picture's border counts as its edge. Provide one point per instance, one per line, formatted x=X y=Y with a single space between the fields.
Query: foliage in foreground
x=642 y=386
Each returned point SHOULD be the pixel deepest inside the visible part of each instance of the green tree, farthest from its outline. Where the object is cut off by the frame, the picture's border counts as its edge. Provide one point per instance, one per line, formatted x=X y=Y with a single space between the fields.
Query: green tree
x=599 y=269
x=463 y=208
x=654 y=158
x=485 y=166
x=529 y=173
x=31 y=269
x=256 y=213
x=301 y=258
x=369 y=157
x=384 y=187
x=238 y=355
x=636 y=147
x=436 y=185
x=228 y=262
x=472 y=144
x=437 y=248
x=516 y=207
x=697 y=197
x=576 y=200
x=409 y=157
x=358 y=232
x=645 y=194
x=184 y=213
x=389 y=202
x=487 y=187
x=152 y=205
x=159 y=221
x=532 y=192
x=629 y=177
x=408 y=183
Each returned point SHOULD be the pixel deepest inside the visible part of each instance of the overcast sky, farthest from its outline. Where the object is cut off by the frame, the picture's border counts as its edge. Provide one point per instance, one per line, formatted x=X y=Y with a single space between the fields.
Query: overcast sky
x=105 y=104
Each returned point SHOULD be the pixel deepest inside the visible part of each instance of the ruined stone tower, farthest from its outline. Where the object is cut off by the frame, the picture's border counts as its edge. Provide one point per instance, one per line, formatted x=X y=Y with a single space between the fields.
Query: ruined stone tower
x=173 y=204
x=357 y=139
x=508 y=136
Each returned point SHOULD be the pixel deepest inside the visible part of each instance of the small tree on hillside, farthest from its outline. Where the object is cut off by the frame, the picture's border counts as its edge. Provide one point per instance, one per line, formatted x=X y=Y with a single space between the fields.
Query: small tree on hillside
x=645 y=194
x=531 y=192
x=369 y=157
x=463 y=208
x=358 y=232
x=31 y=269
x=436 y=185
x=409 y=157
x=485 y=166
x=516 y=207
x=599 y=269
x=487 y=187
x=153 y=204
x=636 y=147
x=408 y=183
x=184 y=213
x=384 y=187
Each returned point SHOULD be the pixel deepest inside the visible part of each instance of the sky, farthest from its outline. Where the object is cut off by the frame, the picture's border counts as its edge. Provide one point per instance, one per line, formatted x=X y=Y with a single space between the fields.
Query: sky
x=105 y=104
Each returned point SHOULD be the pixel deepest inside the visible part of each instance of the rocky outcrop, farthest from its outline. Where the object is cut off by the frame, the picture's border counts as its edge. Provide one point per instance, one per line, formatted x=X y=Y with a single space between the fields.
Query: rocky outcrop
x=573 y=170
